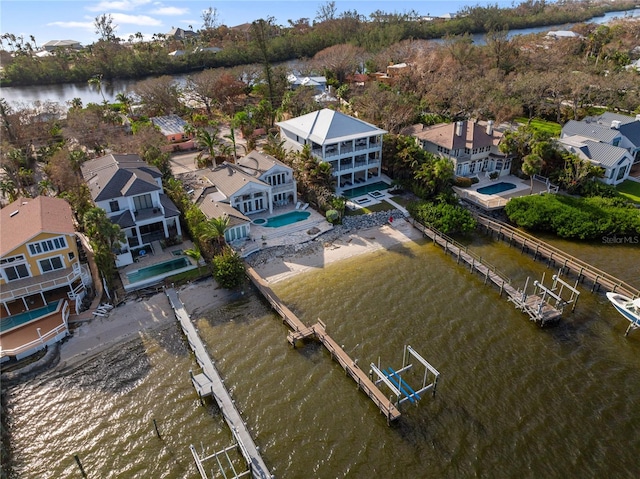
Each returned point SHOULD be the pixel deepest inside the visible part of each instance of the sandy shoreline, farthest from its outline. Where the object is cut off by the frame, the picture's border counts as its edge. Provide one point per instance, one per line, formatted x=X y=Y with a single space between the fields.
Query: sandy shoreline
x=346 y=246
x=132 y=318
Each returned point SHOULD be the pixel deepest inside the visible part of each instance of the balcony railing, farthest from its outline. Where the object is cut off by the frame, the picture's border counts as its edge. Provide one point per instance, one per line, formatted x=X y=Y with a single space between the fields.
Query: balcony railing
x=36 y=284
x=282 y=187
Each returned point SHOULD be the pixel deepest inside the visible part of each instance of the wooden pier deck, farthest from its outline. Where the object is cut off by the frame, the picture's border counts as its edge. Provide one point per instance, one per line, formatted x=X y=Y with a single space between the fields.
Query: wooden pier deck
x=209 y=382
x=555 y=256
x=318 y=331
x=532 y=304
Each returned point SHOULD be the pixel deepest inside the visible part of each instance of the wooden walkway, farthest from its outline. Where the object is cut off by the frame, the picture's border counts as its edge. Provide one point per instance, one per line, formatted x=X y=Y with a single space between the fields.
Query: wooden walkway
x=535 y=306
x=318 y=331
x=554 y=256
x=209 y=382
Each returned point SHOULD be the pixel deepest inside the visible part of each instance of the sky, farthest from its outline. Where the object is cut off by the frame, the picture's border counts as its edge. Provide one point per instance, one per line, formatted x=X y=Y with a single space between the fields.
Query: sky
x=74 y=19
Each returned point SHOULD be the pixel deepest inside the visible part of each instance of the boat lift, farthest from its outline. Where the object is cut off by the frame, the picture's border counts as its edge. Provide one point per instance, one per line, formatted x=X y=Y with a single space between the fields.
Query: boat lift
x=226 y=468
x=545 y=303
x=398 y=386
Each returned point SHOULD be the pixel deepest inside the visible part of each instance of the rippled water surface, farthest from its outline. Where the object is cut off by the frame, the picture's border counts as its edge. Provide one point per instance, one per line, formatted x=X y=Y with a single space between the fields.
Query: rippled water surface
x=514 y=400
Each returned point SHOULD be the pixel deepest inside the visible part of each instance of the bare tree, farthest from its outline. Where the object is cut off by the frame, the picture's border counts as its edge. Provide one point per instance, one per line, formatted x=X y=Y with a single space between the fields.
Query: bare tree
x=326 y=12
x=105 y=27
x=159 y=96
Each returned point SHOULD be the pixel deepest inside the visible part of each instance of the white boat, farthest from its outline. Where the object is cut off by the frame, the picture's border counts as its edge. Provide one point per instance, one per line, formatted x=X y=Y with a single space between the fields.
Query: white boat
x=627 y=307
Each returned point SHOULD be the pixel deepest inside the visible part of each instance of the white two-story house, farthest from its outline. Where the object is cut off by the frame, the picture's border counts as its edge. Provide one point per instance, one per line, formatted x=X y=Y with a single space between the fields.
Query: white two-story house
x=352 y=147
x=42 y=280
x=131 y=193
x=256 y=183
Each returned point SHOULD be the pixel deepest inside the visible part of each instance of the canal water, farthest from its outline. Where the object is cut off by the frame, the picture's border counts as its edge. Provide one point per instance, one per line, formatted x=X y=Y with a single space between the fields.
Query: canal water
x=513 y=400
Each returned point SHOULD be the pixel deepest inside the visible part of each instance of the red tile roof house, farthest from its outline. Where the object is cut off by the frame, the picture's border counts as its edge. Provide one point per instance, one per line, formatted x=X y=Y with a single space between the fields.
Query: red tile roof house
x=41 y=279
x=472 y=146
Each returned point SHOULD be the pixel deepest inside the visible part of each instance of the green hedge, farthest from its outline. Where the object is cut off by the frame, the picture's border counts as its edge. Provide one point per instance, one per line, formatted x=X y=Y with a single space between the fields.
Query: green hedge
x=569 y=217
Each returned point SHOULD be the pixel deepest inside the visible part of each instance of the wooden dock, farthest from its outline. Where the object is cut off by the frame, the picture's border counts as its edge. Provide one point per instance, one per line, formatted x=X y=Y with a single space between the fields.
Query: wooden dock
x=556 y=257
x=318 y=331
x=534 y=305
x=209 y=383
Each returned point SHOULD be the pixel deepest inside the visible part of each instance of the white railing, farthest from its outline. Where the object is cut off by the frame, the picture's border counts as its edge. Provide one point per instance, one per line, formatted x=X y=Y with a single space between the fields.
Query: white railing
x=64 y=280
x=45 y=339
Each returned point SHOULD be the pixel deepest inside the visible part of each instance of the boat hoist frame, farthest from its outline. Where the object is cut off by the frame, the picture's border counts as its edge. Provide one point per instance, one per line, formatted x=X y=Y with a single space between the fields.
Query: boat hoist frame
x=399 y=387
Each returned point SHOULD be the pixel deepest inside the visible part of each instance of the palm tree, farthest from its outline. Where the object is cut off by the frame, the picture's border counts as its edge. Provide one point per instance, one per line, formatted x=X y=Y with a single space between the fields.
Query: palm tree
x=208 y=140
x=531 y=165
x=9 y=190
x=44 y=187
x=97 y=81
x=125 y=100
x=195 y=254
x=213 y=230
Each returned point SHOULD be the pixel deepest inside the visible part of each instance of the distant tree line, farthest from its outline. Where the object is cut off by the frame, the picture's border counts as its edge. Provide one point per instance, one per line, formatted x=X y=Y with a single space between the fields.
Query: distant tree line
x=112 y=57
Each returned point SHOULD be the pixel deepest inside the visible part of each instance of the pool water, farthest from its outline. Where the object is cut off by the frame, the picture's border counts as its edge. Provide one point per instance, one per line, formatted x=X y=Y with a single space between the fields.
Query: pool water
x=287 y=219
x=16 y=320
x=365 y=189
x=158 y=269
x=497 y=188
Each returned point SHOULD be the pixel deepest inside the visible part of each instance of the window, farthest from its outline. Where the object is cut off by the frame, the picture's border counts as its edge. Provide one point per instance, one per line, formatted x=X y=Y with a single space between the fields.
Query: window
x=51 y=264
x=45 y=246
x=114 y=206
x=142 y=202
x=14 y=267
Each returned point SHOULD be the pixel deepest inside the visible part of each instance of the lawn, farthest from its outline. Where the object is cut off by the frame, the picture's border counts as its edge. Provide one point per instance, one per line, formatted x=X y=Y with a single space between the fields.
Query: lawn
x=364 y=210
x=630 y=190
x=550 y=127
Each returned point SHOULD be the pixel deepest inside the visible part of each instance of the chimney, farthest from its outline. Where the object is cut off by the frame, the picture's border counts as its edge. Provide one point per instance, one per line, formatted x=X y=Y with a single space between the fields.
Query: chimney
x=615 y=124
x=459 y=128
x=490 y=128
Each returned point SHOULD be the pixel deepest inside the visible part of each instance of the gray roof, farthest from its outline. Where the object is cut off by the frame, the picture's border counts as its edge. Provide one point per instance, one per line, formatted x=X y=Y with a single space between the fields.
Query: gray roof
x=170 y=209
x=124 y=220
x=590 y=129
x=217 y=209
x=170 y=124
x=328 y=126
x=229 y=179
x=257 y=164
x=604 y=154
x=115 y=176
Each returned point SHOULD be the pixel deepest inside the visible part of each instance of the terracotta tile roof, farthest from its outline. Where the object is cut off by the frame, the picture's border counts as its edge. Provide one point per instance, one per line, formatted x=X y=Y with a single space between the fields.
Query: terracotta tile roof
x=472 y=134
x=25 y=218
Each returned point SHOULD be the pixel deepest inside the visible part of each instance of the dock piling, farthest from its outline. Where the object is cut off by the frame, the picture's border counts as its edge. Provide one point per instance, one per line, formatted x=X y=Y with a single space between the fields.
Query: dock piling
x=84 y=474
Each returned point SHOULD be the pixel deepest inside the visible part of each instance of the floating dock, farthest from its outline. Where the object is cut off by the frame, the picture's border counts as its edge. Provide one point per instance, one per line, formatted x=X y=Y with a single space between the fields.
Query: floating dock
x=209 y=383
x=318 y=331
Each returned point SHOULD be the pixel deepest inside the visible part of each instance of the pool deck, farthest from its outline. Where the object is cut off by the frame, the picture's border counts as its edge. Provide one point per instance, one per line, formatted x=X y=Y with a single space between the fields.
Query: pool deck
x=158 y=255
x=499 y=200
x=262 y=237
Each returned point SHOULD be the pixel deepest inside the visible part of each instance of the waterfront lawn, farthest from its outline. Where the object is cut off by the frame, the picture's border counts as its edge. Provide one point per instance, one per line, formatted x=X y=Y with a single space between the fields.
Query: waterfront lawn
x=630 y=190
x=550 y=127
x=364 y=210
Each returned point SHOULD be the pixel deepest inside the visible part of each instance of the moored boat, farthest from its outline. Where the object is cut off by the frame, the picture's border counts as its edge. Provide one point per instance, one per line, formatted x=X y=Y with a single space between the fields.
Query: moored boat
x=627 y=307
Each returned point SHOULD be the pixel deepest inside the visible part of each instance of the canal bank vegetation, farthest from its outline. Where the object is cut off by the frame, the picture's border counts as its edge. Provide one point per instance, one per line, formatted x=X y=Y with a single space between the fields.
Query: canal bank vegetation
x=112 y=57
x=574 y=218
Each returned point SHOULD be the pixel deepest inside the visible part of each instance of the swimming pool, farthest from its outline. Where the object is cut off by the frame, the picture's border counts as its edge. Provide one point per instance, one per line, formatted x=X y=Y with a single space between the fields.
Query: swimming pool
x=286 y=219
x=497 y=188
x=158 y=271
x=365 y=189
x=16 y=320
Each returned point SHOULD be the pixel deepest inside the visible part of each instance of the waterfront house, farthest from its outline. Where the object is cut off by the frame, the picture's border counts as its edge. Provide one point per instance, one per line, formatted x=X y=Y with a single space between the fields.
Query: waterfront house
x=41 y=279
x=317 y=82
x=472 y=146
x=256 y=183
x=351 y=146
x=131 y=193
x=615 y=161
x=612 y=129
